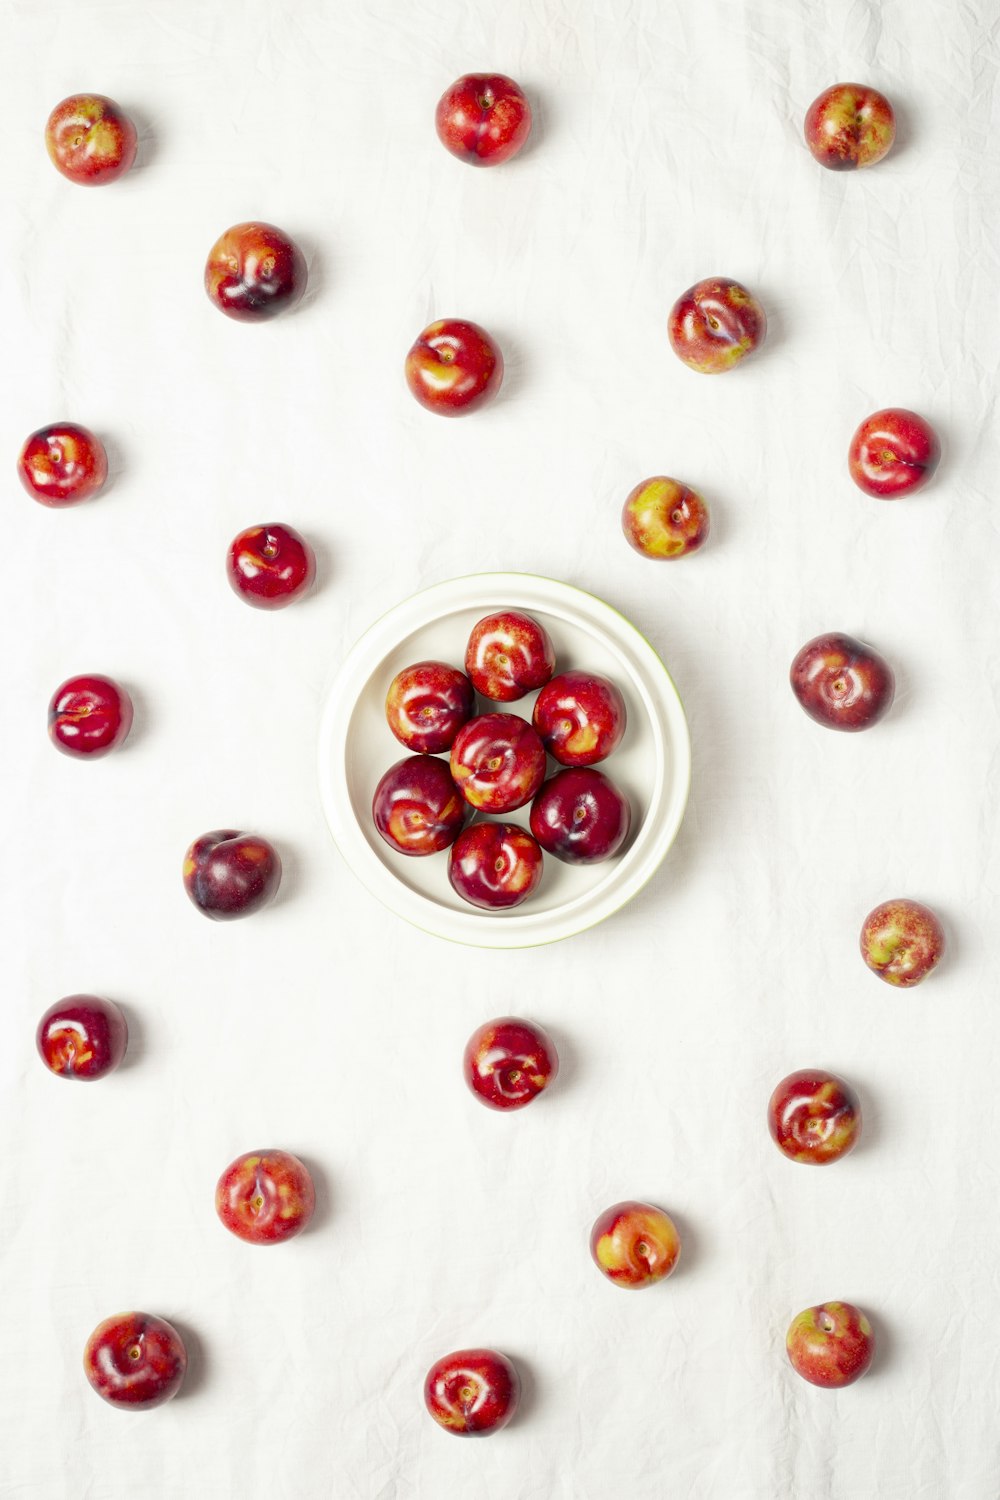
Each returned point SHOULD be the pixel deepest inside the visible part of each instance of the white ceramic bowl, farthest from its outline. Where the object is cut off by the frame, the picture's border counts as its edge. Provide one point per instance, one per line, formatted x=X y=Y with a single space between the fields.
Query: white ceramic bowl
x=652 y=765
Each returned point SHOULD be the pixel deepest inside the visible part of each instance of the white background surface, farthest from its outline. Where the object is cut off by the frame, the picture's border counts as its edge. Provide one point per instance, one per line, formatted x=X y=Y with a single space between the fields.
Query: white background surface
x=667 y=147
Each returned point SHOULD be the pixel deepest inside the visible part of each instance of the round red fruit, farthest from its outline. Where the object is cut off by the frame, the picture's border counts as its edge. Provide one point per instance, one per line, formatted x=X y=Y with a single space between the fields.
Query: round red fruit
x=842 y=683
x=634 y=1244
x=472 y=1392
x=265 y=1197
x=508 y=1062
x=255 y=271
x=715 y=324
x=495 y=865
x=580 y=816
x=663 y=519
x=831 y=1345
x=82 y=1036
x=62 y=465
x=454 y=367
x=135 y=1361
x=849 y=126
x=580 y=717
x=894 y=452
x=229 y=874
x=814 y=1117
x=270 y=566
x=90 y=139
x=417 y=807
x=508 y=655
x=427 y=704
x=902 y=941
x=497 y=762
x=89 y=716
x=483 y=119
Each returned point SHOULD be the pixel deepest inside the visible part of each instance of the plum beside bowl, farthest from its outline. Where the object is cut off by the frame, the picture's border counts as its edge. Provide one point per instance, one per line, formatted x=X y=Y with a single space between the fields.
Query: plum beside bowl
x=652 y=765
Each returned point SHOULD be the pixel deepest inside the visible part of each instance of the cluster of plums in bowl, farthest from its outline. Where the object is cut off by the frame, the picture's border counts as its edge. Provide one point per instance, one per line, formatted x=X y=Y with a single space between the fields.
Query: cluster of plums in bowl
x=497 y=762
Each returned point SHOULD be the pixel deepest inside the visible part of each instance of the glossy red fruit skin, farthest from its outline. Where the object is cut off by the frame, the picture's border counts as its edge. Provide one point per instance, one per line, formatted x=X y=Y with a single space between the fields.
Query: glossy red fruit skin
x=495 y=865
x=62 y=465
x=82 y=1037
x=89 y=716
x=894 y=452
x=270 y=566
x=841 y=683
x=483 y=119
x=254 y=272
x=229 y=874
x=497 y=762
x=472 y=1392
x=427 y=704
x=831 y=1345
x=814 y=1117
x=265 y=1197
x=715 y=324
x=508 y=1062
x=634 y=1244
x=849 y=126
x=135 y=1361
x=417 y=807
x=663 y=519
x=454 y=367
x=580 y=718
x=508 y=655
x=902 y=941
x=90 y=139
x=580 y=816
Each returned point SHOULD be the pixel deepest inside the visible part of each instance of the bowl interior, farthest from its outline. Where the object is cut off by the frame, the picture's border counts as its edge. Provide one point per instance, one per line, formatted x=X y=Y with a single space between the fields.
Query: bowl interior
x=651 y=765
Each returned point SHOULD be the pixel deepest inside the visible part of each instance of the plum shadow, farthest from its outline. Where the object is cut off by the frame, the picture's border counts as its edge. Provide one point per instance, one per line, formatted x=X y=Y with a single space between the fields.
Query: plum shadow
x=137 y=1047
x=323 y=1212
x=197 y=1360
x=317 y=264
x=148 y=145
x=528 y=1405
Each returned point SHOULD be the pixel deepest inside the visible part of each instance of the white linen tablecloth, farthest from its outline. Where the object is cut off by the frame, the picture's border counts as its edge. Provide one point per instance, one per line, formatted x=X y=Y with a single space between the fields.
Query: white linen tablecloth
x=667 y=146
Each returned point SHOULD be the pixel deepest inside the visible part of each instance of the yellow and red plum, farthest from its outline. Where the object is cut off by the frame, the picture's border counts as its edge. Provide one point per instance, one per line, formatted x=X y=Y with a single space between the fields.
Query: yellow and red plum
x=902 y=941
x=255 y=271
x=715 y=324
x=842 y=683
x=483 y=119
x=634 y=1244
x=508 y=655
x=229 y=874
x=580 y=718
x=90 y=139
x=135 y=1361
x=89 y=716
x=497 y=762
x=663 y=519
x=495 y=865
x=427 y=704
x=894 y=452
x=454 y=367
x=265 y=1197
x=830 y=1345
x=417 y=807
x=849 y=126
x=472 y=1392
x=508 y=1062
x=62 y=464
x=82 y=1036
x=814 y=1117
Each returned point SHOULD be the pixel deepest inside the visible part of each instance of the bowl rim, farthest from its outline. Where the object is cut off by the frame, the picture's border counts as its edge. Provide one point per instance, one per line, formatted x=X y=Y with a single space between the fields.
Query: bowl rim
x=500 y=930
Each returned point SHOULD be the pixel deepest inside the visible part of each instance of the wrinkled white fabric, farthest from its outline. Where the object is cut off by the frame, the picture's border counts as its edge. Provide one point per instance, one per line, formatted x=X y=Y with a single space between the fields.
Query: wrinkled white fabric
x=667 y=147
